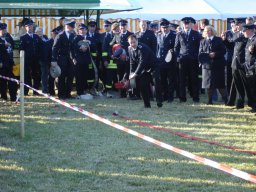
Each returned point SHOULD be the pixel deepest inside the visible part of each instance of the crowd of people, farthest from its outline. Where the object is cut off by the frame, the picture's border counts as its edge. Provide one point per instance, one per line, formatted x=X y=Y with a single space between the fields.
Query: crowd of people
x=161 y=61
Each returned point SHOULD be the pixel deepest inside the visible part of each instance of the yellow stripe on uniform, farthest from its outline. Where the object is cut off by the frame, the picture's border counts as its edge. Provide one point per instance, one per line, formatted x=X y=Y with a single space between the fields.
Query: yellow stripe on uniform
x=111 y=65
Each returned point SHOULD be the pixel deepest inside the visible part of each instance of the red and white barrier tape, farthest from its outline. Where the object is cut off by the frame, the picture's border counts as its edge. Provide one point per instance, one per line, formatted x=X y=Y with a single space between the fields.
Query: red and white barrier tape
x=184 y=135
x=205 y=161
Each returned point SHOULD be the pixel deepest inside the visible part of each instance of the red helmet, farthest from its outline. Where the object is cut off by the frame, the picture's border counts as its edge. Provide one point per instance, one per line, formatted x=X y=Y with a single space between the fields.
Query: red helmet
x=115 y=47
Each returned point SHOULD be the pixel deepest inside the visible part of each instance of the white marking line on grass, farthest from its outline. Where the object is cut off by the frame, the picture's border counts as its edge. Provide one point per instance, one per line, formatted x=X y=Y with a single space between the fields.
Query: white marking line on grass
x=222 y=167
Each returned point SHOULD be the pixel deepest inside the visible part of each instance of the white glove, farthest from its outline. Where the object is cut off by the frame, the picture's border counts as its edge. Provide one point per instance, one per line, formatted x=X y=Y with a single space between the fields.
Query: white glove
x=1 y=65
x=132 y=76
x=74 y=61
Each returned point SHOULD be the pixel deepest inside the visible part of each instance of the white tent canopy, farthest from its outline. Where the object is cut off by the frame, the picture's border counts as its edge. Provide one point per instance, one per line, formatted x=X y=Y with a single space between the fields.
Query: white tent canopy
x=177 y=9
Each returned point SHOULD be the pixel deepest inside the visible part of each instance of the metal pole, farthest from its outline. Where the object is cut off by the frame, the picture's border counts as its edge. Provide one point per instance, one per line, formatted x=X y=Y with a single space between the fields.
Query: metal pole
x=22 y=131
x=84 y=17
x=87 y=17
x=98 y=19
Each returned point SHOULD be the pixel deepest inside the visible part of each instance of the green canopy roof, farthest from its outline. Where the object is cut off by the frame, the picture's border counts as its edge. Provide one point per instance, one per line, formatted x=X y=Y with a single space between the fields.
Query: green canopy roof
x=14 y=8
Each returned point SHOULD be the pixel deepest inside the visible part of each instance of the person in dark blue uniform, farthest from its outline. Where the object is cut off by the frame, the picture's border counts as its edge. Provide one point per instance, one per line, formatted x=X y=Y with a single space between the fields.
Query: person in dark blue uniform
x=8 y=35
x=173 y=28
x=213 y=69
x=123 y=66
x=186 y=49
x=6 y=64
x=146 y=36
x=250 y=62
x=61 y=24
x=109 y=63
x=141 y=63
x=31 y=44
x=51 y=80
x=166 y=41
x=238 y=60
x=62 y=55
x=154 y=27
x=231 y=89
x=96 y=52
x=43 y=59
x=82 y=57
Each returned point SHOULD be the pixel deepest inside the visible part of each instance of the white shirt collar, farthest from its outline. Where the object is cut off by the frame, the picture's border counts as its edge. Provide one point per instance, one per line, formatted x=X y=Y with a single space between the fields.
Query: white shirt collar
x=188 y=31
x=124 y=33
x=210 y=38
x=67 y=33
x=166 y=34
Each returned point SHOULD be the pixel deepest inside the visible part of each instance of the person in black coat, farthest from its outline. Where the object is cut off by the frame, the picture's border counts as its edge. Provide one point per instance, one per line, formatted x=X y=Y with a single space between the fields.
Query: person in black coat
x=212 y=50
x=231 y=89
x=146 y=36
x=250 y=62
x=141 y=63
x=49 y=45
x=165 y=43
x=123 y=66
x=43 y=59
x=31 y=44
x=6 y=64
x=186 y=49
x=96 y=52
x=62 y=55
x=237 y=65
x=7 y=35
x=109 y=63
x=81 y=55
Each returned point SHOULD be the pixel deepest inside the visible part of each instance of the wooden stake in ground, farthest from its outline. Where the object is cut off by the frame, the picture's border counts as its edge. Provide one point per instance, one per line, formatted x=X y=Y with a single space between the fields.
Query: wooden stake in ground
x=22 y=131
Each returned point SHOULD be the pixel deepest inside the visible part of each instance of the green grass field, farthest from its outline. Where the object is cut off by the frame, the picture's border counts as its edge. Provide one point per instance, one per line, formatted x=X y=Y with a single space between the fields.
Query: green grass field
x=66 y=151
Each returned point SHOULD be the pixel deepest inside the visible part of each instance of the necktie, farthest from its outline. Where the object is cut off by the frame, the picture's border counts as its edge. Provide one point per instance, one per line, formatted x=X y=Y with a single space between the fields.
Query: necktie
x=210 y=44
x=187 y=35
x=164 y=37
x=31 y=35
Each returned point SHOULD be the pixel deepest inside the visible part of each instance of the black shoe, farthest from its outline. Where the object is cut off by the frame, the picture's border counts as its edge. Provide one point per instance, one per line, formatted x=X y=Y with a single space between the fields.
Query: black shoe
x=170 y=100
x=183 y=100
x=209 y=103
x=253 y=110
x=147 y=106
x=225 y=99
x=159 y=104
x=230 y=104
x=196 y=100
x=70 y=97
x=35 y=94
x=134 y=98
x=240 y=104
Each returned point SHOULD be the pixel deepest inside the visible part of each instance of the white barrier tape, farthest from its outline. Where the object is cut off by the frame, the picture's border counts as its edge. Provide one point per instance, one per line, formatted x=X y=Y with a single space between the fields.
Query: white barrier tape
x=205 y=161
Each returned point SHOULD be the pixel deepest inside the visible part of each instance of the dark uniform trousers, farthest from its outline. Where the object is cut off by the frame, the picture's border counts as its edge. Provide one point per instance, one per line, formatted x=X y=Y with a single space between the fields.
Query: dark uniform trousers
x=7 y=60
x=142 y=84
x=231 y=89
x=65 y=80
x=4 y=84
x=186 y=49
x=62 y=53
x=31 y=46
x=250 y=62
x=51 y=80
x=188 y=68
